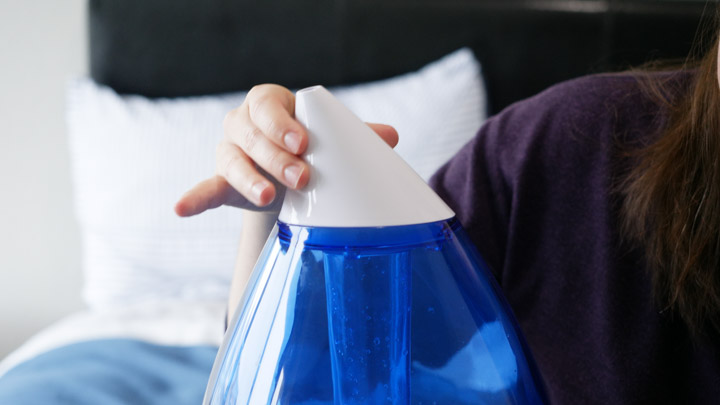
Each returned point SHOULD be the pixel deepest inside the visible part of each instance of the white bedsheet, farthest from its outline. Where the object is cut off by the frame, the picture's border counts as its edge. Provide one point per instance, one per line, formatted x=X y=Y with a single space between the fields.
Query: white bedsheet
x=166 y=323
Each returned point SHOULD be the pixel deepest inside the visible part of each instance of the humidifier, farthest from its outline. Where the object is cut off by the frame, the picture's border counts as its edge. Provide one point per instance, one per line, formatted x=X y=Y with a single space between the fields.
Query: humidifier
x=368 y=291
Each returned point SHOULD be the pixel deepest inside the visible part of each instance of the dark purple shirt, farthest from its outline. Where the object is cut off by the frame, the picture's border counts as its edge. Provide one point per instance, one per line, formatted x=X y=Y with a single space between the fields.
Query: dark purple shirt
x=533 y=190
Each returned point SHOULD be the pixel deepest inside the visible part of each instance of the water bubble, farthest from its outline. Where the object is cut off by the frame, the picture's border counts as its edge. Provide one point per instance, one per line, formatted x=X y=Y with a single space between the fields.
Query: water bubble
x=376 y=341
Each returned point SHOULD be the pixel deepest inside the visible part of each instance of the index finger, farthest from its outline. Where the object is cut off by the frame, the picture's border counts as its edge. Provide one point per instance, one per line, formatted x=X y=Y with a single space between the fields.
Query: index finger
x=271 y=108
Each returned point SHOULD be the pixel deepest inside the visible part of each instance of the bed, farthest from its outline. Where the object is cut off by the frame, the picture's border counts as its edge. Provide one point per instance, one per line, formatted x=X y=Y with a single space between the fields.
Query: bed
x=144 y=125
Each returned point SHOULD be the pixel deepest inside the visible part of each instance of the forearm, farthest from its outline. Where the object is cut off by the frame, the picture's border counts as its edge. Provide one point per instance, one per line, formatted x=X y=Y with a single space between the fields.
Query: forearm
x=255 y=230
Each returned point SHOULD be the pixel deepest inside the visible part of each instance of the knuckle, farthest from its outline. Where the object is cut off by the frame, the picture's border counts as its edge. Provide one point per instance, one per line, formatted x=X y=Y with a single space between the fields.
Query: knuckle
x=230 y=118
x=251 y=138
x=255 y=91
x=257 y=105
x=274 y=127
x=229 y=164
x=276 y=161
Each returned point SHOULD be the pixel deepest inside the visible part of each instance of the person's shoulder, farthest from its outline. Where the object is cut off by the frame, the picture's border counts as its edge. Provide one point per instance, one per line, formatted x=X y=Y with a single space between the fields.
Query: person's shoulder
x=618 y=94
x=595 y=84
x=599 y=103
x=574 y=121
x=582 y=102
x=594 y=93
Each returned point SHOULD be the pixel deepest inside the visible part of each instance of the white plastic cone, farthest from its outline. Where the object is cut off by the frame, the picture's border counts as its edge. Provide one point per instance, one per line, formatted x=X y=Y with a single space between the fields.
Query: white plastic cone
x=356 y=179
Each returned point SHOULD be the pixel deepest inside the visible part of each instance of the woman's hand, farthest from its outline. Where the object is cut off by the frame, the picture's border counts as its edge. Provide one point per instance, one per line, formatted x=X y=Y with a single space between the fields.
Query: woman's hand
x=259 y=155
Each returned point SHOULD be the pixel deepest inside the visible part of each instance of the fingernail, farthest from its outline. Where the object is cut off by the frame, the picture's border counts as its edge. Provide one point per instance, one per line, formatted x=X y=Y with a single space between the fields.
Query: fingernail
x=292 y=175
x=257 y=189
x=292 y=141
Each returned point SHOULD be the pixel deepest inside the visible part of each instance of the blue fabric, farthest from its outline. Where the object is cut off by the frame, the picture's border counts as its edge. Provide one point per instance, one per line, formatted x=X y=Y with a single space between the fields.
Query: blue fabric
x=108 y=372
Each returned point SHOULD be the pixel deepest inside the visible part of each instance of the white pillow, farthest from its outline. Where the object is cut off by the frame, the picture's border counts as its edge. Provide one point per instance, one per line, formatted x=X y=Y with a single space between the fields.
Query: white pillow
x=133 y=157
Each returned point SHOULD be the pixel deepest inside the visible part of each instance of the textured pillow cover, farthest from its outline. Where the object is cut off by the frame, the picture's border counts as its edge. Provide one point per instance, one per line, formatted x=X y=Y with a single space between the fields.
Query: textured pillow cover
x=133 y=157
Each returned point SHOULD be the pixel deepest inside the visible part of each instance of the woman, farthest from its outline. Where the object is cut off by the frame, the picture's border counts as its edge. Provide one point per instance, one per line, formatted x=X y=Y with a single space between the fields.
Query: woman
x=596 y=203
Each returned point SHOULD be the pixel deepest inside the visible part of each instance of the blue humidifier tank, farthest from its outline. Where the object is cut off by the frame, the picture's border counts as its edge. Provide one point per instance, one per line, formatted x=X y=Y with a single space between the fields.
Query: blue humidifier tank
x=368 y=291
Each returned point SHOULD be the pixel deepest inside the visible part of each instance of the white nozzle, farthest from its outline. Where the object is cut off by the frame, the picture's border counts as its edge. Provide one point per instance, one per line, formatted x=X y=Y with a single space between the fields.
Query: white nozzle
x=356 y=179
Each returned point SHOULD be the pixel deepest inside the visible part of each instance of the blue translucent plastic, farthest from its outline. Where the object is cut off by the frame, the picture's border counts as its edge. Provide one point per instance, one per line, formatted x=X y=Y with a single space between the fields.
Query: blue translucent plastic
x=392 y=315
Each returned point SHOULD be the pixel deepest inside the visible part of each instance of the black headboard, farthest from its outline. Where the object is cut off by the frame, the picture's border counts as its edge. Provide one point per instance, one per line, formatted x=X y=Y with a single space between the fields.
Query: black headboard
x=191 y=47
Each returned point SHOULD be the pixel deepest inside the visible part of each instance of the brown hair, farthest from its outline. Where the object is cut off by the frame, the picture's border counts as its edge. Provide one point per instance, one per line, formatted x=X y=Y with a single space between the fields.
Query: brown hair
x=671 y=203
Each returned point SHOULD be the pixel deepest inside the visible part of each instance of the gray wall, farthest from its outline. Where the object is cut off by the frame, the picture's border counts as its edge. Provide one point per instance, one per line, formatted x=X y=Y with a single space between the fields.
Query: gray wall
x=42 y=44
